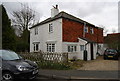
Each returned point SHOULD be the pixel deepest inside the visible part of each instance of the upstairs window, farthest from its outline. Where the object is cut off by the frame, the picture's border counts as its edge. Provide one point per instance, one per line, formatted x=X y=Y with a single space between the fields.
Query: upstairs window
x=86 y=29
x=51 y=28
x=72 y=48
x=91 y=31
x=36 y=31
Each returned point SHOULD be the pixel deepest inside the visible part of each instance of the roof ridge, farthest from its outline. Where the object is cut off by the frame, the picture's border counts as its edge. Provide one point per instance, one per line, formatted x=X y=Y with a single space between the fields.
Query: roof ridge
x=63 y=14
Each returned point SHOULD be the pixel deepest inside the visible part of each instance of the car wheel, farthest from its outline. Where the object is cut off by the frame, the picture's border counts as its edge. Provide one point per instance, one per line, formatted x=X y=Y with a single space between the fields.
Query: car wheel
x=7 y=76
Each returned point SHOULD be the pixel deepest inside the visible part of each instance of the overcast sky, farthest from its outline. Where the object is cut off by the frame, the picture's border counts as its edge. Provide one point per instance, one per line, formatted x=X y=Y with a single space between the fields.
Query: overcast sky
x=97 y=12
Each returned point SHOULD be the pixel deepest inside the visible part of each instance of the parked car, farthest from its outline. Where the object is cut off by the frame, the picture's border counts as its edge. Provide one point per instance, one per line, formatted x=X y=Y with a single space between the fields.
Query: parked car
x=111 y=53
x=14 y=66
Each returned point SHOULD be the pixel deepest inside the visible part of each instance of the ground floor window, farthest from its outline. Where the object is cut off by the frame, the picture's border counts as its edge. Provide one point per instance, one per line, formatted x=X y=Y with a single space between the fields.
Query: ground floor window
x=72 y=48
x=82 y=47
x=36 y=46
x=50 y=47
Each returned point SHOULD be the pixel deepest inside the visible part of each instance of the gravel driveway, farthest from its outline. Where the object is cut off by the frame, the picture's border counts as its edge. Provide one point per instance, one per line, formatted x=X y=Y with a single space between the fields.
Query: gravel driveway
x=100 y=64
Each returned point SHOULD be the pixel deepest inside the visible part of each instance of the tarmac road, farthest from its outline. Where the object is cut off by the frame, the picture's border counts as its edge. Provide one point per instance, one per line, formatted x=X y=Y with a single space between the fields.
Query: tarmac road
x=65 y=80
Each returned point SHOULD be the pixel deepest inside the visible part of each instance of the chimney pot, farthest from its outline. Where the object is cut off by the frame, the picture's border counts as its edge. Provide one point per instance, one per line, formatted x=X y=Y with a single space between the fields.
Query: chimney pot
x=56 y=6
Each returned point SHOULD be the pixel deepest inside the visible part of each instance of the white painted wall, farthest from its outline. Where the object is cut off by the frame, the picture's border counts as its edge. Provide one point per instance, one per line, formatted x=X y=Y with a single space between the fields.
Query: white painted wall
x=65 y=49
x=102 y=48
x=44 y=36
x=95 y=50
x=82 y=42
x=79 y=54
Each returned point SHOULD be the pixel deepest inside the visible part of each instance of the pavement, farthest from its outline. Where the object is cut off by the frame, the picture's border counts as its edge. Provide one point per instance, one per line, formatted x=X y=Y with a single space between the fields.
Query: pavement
x=79 y=75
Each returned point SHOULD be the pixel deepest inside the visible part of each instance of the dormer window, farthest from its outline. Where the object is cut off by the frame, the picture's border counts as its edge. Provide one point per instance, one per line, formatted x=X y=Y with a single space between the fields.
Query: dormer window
x=91 y=31
x=51 y=28
x=86 y=29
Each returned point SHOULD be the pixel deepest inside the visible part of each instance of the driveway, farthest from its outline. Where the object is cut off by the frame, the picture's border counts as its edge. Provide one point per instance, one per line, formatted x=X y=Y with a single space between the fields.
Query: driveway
x=100 y=64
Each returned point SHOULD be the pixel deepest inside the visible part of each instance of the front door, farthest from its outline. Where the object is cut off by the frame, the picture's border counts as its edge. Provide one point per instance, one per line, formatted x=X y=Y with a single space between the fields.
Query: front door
x=92 y=53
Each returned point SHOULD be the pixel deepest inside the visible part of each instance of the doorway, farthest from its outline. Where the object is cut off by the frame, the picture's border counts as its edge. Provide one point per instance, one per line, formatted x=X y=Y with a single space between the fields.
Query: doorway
x=92 y=51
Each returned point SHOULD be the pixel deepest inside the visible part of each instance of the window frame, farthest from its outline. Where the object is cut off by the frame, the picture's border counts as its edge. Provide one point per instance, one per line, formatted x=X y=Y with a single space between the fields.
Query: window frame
x=86 y=29
x=36 y=47
x=36 y=31
x=72 y=48
x=50 y=29
x=91 y=30
x=51 y=47
x=82 y=47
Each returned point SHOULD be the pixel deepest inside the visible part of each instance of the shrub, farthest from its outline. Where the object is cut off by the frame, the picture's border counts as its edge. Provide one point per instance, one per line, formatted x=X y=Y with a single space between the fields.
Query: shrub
x=51 y=65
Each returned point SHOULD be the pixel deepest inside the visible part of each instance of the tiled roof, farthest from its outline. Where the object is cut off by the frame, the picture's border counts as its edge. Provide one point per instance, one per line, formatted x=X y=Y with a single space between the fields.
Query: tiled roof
x=64 y=15
x=88 y=40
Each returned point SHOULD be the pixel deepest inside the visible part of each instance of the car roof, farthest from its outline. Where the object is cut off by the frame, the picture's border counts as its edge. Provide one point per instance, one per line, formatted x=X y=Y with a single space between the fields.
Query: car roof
x=2 y=50
x=6 y=50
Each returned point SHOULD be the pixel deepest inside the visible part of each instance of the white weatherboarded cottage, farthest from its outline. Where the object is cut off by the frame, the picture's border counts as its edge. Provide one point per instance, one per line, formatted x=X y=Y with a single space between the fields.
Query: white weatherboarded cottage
x=60 y=33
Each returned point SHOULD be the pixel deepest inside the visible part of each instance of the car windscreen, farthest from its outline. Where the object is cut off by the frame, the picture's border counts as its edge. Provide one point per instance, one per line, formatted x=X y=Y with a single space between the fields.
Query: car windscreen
x=8 y=55
x=111 y=50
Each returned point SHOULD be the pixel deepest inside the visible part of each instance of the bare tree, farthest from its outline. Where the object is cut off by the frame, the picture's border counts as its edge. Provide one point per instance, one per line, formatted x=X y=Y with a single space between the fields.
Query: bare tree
x=105 y=31
x=113 y=30
x=23 y=18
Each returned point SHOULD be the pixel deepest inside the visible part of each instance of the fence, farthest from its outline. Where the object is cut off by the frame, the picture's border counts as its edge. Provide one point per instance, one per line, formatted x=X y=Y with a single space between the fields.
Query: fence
x=45 y=56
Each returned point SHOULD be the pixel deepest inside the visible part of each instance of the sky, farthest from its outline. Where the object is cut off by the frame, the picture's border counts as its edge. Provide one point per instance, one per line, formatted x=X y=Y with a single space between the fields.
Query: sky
x=103 y=13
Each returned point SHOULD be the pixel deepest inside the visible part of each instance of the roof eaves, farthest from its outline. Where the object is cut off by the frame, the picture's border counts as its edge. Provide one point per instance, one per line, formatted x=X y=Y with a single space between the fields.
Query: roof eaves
x=48 y=20
x=63 y=14
x=71 y=17
x=88 y=40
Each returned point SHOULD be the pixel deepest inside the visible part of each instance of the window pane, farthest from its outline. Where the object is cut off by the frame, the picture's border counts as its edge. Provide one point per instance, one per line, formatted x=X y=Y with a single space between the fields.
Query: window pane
x=86 y=29
x=72 y=48
x=51 y=47
x=91 y=30
x=53 y=50
x=68 y=48
x=82 y=47
x=36 y=31
x=50 y=28
x=37 y=47
x=75 y=48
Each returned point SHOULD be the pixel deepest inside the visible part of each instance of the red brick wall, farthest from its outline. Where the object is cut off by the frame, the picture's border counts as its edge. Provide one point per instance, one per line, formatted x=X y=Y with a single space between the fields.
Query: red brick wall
x=72 y=30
